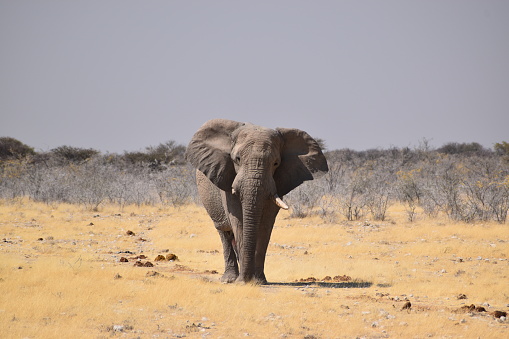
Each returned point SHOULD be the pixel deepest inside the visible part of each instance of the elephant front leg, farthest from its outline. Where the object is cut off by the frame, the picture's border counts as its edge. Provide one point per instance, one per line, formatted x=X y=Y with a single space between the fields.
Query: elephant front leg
x=266 y=226
x=231 y=267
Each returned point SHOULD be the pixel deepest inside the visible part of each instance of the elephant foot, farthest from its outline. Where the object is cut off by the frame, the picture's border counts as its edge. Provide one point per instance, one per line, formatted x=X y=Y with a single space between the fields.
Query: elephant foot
x=260 y=279
x=255 y=280
x=229 y=276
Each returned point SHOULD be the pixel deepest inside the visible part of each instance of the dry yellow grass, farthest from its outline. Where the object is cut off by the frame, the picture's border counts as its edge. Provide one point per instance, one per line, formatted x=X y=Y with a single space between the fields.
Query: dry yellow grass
x=61 y=277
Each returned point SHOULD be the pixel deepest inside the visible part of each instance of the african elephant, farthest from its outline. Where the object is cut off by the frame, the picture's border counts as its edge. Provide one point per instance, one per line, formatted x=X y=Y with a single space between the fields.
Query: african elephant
x=243 y=170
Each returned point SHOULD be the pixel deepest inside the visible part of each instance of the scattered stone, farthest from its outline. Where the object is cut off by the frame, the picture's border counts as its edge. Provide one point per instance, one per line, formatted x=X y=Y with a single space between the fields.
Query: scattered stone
x=499 y=314
x=141 y=264
x=469 y=309
x=141 y=239
x=160 y=258
x=118 y=328
x=339 y=278
x=172 y=257
x=91 y=224
x=40 y=239
x=211 y=272
x=407 y=306
x=123 y=259
x=141 y=256
x=461 y=296
x=130 y=233
x=126 y=252
x=326 y=279
x=117 y=276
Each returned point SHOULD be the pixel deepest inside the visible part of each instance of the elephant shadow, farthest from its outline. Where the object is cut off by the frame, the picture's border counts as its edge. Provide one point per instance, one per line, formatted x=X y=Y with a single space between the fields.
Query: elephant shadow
x=346 y=284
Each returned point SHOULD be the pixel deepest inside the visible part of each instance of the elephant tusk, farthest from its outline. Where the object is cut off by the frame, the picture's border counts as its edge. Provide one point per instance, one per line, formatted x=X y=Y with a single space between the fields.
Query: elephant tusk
x=233 y=191
x=280 y=202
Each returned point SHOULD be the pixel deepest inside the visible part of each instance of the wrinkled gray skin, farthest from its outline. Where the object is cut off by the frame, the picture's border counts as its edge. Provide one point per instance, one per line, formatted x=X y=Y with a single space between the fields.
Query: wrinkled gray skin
x=240 y=169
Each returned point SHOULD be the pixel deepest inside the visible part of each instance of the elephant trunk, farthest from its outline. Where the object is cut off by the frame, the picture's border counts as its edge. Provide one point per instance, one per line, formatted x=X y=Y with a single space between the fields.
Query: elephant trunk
x=253 y=198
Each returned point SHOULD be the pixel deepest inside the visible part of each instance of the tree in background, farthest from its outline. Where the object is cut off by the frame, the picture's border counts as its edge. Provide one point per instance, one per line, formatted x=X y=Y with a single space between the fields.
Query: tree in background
x=74 y=154
x=11 y=148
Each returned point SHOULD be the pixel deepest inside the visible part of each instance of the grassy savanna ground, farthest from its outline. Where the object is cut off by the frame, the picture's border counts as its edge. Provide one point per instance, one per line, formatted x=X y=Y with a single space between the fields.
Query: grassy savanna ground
x=61 y=277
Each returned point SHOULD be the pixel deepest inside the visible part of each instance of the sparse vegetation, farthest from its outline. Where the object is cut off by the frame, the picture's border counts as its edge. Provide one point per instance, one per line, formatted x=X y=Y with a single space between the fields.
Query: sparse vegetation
x=382 y=246
x=153 y=271
x=463 y=181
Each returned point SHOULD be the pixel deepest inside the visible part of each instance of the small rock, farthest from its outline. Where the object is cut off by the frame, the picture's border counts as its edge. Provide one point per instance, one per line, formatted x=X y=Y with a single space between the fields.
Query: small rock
x=148 y=264
x=499 y=314
x=407 y=306
x=480 y=309
x=123 y=259
x=461 y=296
x=117 y=276
x=130 y=233
x=91 y=224
x=171 y=257
x=160 y=258
x=118 y=328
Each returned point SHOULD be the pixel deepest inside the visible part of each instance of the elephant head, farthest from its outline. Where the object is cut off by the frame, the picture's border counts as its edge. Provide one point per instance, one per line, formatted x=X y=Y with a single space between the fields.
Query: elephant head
x=253 y=165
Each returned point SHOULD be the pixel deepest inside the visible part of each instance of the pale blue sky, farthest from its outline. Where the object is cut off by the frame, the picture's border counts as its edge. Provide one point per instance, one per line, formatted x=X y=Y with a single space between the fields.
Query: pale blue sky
x=123 y=75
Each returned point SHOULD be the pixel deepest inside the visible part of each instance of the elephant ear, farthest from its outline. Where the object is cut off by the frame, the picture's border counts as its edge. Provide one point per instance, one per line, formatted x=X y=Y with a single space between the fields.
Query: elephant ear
x=209 y=151
x=301 y=160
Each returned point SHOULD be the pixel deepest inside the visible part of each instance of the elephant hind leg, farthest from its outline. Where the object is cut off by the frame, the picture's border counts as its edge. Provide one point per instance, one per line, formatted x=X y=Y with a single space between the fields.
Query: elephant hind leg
x=231 y=271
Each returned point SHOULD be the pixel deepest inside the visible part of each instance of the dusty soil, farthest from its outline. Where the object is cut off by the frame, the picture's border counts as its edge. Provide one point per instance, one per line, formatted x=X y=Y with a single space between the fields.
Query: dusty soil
x=148 y=272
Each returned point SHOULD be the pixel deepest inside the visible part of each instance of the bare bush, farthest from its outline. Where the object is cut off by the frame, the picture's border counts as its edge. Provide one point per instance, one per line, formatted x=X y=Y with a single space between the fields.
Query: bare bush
x=409 y=192
x=464 y=181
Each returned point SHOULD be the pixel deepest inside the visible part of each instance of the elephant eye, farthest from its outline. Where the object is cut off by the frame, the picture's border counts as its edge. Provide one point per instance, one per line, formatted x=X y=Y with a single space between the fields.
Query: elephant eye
x=276 y=164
